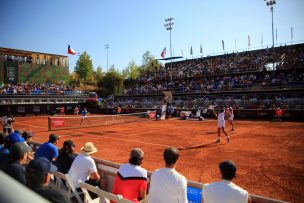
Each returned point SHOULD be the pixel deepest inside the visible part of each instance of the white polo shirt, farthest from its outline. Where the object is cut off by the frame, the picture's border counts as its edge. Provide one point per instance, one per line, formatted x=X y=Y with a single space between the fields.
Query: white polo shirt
x=224 y=191
x=81 y=168
x=168 y=186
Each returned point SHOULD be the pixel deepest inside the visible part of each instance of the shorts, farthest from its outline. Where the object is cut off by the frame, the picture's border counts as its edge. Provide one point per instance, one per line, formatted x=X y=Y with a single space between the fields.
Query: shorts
x=230 y=118
x=221 y=124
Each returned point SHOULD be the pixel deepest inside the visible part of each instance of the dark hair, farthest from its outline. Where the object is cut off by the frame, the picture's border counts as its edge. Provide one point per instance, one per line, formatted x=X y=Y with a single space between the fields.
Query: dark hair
x=67 y=150
x=171 y=155
x=34 y=178
x=228 y=169
x=135 y=161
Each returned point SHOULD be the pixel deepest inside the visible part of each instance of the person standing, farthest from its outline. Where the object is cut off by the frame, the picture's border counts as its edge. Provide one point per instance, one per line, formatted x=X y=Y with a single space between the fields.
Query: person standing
x=84 y=116
x=225 y=190
x=230 y=116
x=221 y=123
x=167 y=185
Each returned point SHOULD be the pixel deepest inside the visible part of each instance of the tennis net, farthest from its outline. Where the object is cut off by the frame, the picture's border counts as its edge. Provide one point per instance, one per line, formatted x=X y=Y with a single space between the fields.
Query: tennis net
x=69 y=122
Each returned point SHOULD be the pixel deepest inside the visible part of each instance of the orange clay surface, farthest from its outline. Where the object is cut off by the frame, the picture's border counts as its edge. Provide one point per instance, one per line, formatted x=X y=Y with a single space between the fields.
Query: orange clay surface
x=269 y=155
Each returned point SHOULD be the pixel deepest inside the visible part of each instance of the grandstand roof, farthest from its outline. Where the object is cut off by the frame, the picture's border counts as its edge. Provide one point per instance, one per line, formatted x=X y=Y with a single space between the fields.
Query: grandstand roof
x=23 y=53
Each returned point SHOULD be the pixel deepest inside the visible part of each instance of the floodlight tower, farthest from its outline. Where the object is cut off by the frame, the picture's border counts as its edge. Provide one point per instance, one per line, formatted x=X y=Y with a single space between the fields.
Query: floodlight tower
x=168 y=26
x=271 y=3
x=107 y=48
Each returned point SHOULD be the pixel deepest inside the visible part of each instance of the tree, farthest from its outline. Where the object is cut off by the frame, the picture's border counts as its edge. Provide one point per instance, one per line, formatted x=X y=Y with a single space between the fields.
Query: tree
x=74 y=78
x=150 y=64
x=98 y=73
x=111 y=83
x=84 y=67
x=131 y=71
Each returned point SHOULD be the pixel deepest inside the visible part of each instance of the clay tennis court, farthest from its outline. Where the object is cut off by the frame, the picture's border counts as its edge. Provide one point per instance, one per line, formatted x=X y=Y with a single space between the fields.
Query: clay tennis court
x=269 y=155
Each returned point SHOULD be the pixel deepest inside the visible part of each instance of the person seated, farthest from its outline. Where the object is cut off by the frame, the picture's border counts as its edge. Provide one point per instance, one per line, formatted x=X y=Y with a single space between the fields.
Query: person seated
x=84 y=168
x=225 y=190
x=131 y=179
x=66 y=157
x=17 y=159
x=27 y=136
x=49 y=149
x=38 y=178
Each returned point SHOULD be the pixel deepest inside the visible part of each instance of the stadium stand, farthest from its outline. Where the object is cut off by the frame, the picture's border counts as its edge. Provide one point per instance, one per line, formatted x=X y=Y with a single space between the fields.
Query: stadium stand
x=256 y=80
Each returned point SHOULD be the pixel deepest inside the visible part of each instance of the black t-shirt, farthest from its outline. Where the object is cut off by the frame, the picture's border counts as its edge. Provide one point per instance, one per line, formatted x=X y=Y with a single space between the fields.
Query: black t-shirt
x=16 y=171
x=64 y=162
x=51 y=195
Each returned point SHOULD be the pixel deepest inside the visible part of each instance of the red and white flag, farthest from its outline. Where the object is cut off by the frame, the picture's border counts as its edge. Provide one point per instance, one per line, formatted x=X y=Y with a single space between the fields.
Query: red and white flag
x=163 y=54
x=71 y=50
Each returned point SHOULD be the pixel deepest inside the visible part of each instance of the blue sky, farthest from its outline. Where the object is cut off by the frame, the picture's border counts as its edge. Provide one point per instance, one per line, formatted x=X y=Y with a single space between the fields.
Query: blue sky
x=131 y=27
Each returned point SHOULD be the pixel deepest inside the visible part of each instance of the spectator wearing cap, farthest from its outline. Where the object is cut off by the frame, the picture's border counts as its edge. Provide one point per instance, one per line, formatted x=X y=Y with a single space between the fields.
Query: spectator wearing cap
x=84 y=168
x=131 y=179
x=38 y=178
x=225 y=190
x=66 y=157
x=49 y=149
x=17 y=158
x=167 y=185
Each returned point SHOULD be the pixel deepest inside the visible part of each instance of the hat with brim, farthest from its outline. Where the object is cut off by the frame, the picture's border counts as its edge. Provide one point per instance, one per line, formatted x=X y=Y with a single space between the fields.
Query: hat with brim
x=88 y=148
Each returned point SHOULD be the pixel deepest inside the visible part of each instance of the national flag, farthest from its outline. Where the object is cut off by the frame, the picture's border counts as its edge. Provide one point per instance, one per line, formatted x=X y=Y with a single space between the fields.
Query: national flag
x=191 y=52
x=163 y=54
x=249 y=40
x=201 y=49
x=223 y=44
x=71 y=50
x=261 y=38
x=182 y=52
x=235 y=44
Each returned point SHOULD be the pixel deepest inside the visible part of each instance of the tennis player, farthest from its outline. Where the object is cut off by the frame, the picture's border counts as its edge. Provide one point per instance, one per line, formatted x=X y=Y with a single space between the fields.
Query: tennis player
x=230 y=115
x=221 y=123
x=84 y=115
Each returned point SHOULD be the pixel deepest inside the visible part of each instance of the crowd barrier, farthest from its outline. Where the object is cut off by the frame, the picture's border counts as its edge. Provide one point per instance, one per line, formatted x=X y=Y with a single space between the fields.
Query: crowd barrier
x=109 y=169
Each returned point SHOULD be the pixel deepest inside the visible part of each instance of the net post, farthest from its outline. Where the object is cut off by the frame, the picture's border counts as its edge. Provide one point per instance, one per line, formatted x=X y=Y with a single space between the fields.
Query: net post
x=49 y=123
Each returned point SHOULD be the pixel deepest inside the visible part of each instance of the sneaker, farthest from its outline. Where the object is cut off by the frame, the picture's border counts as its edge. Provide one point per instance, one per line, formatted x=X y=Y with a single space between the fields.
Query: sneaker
x=228 y=139
x=218 y=141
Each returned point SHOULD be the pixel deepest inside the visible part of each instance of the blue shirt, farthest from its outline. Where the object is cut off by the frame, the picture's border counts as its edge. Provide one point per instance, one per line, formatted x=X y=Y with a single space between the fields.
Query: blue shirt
x=47 y=150
x=84 y=112
x=15 y=137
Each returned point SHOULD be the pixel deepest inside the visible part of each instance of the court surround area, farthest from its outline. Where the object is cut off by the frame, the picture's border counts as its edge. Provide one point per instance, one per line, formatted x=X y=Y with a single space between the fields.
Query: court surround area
x=269 y=155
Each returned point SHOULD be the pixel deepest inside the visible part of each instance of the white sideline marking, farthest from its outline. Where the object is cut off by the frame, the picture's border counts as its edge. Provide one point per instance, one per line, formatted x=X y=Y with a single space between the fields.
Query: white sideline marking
x=113 y=138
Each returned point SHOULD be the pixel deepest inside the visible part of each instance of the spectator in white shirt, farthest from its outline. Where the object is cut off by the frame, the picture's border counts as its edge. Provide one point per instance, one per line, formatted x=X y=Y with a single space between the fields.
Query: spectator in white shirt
x=167 y=185
x=225 y=190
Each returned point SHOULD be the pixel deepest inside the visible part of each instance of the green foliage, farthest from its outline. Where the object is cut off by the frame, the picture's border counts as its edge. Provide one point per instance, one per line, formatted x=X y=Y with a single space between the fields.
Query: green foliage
x=131 y=71
x=150 y=64
x=111 y=83
x=84 y=68
x=99 y=74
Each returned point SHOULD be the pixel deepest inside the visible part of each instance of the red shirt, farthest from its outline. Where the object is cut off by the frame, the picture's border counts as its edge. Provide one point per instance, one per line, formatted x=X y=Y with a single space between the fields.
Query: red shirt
x=129 y=181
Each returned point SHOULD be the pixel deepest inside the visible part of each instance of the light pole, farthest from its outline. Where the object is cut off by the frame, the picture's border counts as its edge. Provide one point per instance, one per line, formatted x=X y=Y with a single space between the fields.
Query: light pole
x=271 y=3
x=168 y=26
x=107 y=48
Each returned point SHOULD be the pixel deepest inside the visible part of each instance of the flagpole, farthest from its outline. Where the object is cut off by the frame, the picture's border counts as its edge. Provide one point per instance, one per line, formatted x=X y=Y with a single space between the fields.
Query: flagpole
x=271 y=3
x=107 y=48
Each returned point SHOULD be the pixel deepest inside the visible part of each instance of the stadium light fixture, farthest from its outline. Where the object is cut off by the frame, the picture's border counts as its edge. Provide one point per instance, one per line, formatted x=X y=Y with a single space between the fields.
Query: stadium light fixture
x=271 y=3
x=168 y=26
x=107 y=48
